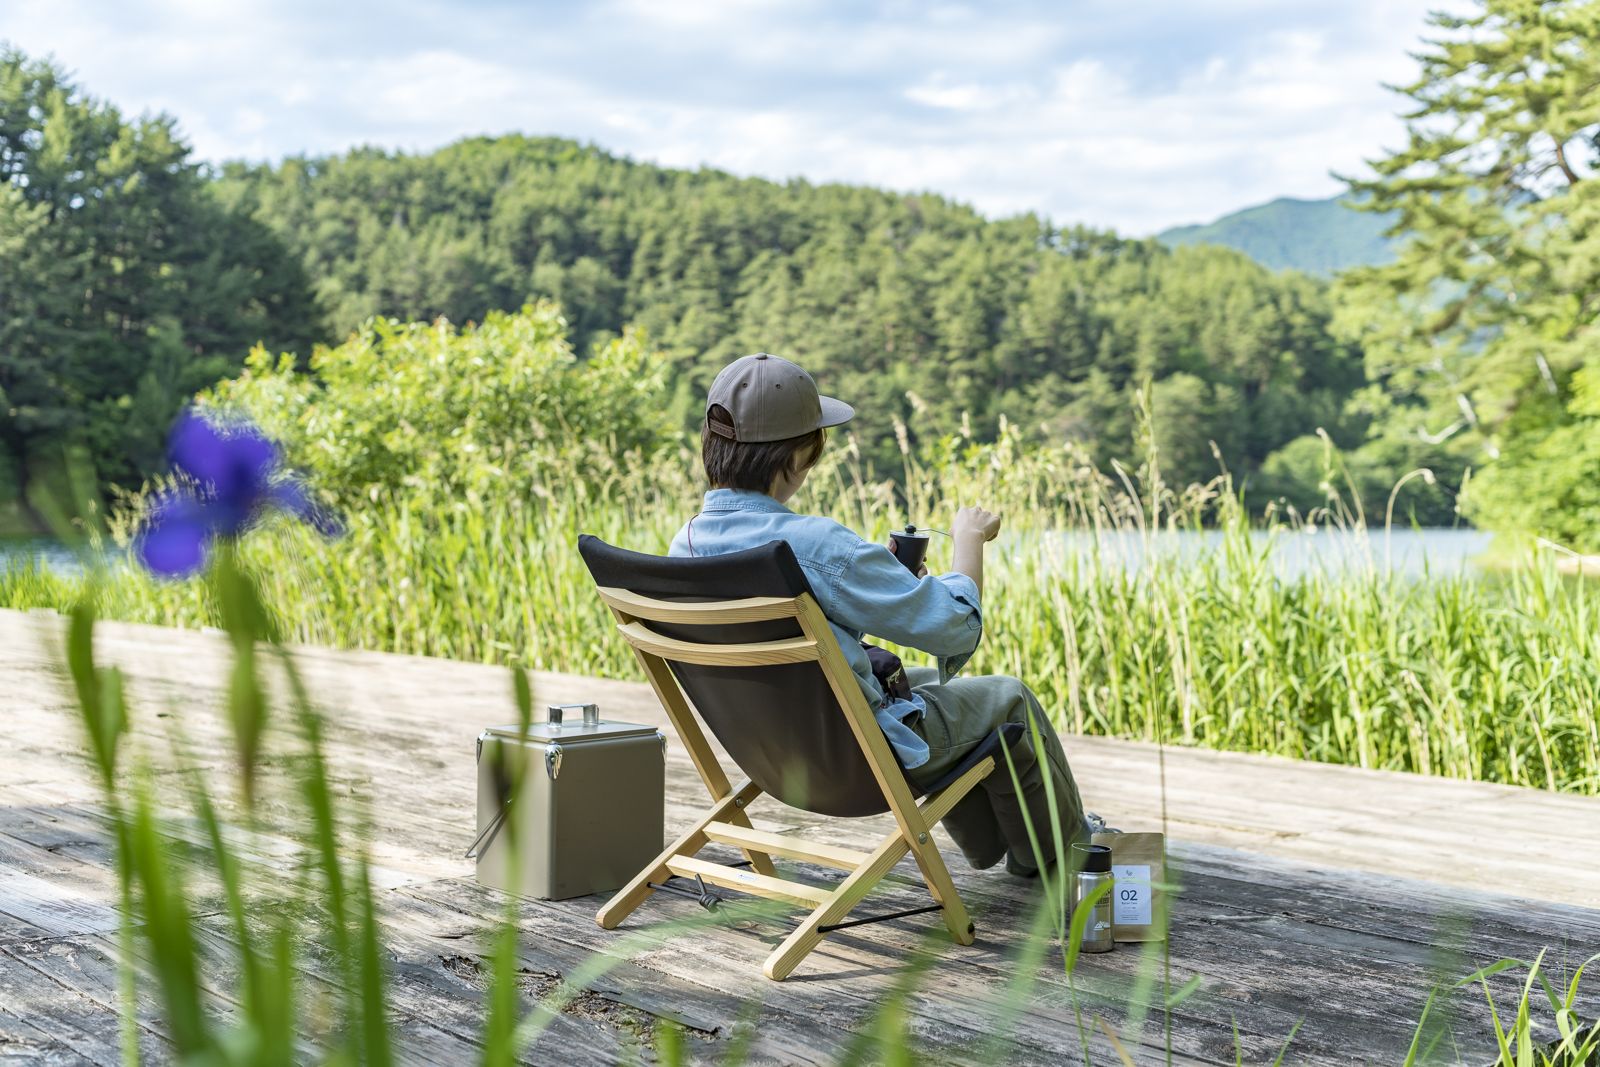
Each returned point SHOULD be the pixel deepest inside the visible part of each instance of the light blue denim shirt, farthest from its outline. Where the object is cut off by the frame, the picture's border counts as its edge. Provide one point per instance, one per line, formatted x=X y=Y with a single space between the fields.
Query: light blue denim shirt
x=861 y=588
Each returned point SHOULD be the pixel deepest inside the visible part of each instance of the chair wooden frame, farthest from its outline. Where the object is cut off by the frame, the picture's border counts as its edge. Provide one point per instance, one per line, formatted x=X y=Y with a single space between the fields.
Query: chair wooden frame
x=727 y=821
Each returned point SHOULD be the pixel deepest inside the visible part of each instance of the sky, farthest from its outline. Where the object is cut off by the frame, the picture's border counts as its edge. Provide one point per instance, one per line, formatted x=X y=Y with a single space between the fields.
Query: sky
x=1134 y=115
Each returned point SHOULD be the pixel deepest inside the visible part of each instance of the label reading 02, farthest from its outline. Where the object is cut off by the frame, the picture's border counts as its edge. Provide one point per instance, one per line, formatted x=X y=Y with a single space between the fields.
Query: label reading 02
x=1131 y=894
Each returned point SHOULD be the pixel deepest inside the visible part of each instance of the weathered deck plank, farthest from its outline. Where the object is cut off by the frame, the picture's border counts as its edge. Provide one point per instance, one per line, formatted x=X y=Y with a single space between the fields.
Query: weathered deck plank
x=1325 y=896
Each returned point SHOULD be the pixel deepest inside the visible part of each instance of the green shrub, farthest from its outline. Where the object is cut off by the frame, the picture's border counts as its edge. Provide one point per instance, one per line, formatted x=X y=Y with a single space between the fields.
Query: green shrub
x=503 y=409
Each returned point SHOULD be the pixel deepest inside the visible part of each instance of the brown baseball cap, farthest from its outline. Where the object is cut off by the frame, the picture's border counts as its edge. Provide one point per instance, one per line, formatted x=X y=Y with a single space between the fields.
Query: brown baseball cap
x=771 y=399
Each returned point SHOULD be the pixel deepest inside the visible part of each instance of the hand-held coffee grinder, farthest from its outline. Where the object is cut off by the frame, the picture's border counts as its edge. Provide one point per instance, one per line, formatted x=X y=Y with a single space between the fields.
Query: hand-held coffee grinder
x=911 y=545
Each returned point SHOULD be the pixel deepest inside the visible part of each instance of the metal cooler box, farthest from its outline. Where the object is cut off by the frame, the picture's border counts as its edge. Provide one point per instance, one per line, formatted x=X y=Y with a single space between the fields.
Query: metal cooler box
x=590 y=816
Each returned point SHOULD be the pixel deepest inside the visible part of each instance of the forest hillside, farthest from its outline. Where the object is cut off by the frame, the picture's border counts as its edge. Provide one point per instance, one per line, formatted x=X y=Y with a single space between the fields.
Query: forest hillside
x=135 y=276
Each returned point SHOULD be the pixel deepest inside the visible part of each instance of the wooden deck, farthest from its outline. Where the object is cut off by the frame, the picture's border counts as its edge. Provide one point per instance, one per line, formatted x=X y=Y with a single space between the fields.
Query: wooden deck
x=1330 y=897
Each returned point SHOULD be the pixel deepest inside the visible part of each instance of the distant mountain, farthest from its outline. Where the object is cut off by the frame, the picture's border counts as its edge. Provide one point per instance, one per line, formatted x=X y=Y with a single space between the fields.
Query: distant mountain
x=1320 y=237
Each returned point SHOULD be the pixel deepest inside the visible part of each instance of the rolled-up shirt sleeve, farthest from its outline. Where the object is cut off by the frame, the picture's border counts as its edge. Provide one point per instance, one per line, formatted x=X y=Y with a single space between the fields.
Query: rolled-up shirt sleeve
x=939 y=614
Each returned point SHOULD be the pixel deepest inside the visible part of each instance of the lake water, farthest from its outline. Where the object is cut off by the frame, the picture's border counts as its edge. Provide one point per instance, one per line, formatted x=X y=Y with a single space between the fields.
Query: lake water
x=1410 y=552
x=1293 y=554
x=43 y=551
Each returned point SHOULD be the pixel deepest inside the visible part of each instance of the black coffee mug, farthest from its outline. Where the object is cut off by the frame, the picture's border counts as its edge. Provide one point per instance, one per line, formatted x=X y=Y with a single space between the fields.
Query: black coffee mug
x=910 y=547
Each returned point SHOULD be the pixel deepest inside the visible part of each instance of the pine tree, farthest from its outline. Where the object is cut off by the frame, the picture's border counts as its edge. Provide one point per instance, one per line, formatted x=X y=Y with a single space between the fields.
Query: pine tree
x=1490 y=310
x=124 y=285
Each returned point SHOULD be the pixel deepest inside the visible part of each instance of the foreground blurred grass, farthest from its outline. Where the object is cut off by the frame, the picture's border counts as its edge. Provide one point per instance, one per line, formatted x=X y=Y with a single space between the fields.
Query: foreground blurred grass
x=1492 y=678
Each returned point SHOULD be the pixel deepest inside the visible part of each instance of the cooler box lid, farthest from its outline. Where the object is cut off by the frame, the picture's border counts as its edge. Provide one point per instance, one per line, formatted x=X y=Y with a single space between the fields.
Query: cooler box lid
x=571 y=733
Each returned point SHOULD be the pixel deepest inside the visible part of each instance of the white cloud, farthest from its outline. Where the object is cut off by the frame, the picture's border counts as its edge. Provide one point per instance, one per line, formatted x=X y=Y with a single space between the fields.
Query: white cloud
x=939 y=91
x=433 y=88
x=1133 y=116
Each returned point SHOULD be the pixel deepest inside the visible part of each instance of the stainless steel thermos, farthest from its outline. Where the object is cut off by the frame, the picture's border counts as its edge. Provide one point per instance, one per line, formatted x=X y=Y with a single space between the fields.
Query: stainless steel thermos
x=1091 y=869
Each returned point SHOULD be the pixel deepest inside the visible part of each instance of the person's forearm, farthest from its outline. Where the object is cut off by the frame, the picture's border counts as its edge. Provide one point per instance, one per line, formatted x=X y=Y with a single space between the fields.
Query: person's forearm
x=969 y=560
x=972 y=528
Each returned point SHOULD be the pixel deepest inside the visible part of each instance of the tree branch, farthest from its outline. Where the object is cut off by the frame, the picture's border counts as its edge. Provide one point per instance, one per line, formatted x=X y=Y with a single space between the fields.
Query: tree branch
x=1561 y=161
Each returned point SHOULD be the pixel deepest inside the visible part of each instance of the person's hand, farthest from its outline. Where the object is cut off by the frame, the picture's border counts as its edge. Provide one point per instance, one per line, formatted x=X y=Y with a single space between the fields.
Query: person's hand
x=893 y=547
x=975 y=523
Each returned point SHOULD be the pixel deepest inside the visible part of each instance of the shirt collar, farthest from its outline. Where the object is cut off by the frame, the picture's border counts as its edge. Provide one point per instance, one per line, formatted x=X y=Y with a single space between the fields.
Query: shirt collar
x=742 y=500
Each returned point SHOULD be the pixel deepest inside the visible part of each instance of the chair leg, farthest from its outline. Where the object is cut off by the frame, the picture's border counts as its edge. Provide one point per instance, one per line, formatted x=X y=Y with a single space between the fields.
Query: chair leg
x=943 y=890
x=692 y=840
x=760 y=862
x=931 y=860
x=799 y=944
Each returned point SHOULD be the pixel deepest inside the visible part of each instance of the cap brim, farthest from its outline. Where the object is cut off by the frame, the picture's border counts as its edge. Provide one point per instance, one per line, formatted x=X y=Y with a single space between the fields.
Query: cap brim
x=834 y=412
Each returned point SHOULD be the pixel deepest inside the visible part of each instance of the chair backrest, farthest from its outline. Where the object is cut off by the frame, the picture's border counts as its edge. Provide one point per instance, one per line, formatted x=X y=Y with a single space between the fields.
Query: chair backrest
x=781 y=722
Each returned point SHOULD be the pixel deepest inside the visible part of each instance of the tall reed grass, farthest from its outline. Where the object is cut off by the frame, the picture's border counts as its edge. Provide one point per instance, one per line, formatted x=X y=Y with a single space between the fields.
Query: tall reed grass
x=1494 y=678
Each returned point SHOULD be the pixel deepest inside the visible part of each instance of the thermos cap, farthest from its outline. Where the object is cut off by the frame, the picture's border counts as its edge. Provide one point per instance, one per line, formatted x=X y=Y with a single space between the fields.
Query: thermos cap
x=1092 y=859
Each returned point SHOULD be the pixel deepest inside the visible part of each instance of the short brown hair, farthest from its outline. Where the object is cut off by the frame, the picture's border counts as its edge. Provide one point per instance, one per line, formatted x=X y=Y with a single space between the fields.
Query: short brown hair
x=754 y=465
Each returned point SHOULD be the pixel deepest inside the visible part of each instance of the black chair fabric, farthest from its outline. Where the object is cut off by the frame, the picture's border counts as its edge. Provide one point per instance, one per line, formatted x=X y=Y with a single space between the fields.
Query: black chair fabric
x=780 y=723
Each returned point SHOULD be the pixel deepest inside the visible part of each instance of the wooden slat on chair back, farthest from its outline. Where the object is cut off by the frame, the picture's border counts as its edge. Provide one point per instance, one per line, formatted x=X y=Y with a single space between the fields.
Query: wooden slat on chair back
x=750 y=673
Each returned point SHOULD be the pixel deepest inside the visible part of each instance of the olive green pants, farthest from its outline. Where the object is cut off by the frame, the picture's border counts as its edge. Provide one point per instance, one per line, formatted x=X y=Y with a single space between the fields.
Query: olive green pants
x=988 y=822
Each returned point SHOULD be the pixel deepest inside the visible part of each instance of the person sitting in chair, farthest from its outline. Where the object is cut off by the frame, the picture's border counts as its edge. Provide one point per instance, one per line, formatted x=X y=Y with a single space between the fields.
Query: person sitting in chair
x=765 y=427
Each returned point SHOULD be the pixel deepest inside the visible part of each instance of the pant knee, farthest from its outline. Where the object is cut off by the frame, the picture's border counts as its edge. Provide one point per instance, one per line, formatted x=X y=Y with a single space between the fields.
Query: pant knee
x=1018 y=698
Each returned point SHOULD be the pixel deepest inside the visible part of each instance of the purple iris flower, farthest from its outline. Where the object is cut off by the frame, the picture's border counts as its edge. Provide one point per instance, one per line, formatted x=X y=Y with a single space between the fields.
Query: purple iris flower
x=233 y=477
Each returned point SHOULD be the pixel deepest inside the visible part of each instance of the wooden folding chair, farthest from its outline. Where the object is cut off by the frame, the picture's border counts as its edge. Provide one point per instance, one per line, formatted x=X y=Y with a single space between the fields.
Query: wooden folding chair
x=739 y=639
